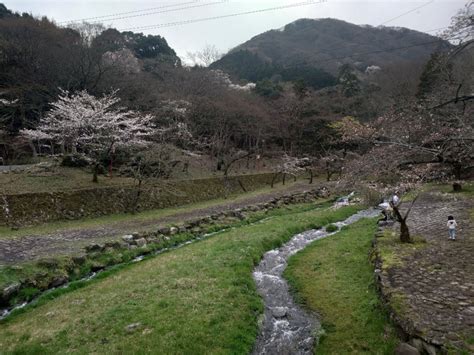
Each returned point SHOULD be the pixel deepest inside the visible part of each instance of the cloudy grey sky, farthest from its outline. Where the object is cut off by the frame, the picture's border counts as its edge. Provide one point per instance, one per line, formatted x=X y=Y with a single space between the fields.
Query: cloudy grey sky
x=226 y=33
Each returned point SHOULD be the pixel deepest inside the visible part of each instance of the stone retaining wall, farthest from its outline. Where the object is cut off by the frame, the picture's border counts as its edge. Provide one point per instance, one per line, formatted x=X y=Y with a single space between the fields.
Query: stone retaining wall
x=35 y=208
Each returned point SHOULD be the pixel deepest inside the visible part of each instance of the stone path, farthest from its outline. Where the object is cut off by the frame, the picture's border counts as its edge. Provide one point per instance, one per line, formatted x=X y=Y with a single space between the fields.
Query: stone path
x=438 y=281
x=72 y=240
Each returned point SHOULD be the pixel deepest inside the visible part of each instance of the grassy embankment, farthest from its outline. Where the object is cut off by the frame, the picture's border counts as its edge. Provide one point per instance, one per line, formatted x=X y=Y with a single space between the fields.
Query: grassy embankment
x=197 y=299
x=334 y=277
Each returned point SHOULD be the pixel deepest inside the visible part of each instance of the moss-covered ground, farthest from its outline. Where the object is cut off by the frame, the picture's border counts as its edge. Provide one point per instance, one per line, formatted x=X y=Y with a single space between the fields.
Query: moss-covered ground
x=334 y=277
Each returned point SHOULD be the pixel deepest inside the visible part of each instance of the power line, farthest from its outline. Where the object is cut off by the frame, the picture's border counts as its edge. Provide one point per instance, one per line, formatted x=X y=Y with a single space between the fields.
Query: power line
x=436 y=29
x=144 y=12
x=204 y=19
x=406 y=13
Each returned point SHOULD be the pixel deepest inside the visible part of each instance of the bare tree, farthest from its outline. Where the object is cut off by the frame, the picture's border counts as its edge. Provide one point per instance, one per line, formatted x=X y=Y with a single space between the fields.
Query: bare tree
x=205 y=57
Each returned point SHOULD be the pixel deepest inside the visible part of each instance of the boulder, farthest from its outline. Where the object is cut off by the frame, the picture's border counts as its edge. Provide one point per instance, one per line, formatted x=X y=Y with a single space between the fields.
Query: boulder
x=164 y=230
x=173 y=230
x=113 y=244
x=127 y=238
x=136 y=235
x=97 y=266
x=429 y=349
x=58 y=281
x=417 y=343
x=196 y=230
x=10 y=290
x=140 y=242
x=406 y=349
x=93 y=248
x=279 y=312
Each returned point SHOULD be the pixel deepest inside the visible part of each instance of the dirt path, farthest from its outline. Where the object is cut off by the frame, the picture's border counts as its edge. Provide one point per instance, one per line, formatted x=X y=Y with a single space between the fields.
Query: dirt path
x=438 y=281
x=72 y=240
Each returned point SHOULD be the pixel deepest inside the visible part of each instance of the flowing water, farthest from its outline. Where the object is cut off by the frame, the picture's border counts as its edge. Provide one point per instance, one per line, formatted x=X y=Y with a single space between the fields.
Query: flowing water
x=287 y=328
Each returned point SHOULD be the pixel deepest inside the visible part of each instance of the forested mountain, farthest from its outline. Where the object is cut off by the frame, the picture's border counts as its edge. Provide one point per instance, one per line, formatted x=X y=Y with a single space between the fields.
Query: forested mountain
x=316 y=49
x=310 y=77
x=37 y=57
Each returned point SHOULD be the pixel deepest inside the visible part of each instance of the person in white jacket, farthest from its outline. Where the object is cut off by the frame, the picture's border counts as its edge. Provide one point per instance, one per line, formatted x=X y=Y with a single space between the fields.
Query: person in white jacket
x=451 y=227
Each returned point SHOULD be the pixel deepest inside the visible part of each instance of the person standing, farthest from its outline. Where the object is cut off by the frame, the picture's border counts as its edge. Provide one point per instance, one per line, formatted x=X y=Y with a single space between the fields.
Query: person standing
x=452 y=227
x=396 y=199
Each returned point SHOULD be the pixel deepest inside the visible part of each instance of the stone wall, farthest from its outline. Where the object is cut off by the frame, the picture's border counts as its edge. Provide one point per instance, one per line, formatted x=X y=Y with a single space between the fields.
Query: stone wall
x=35 y=208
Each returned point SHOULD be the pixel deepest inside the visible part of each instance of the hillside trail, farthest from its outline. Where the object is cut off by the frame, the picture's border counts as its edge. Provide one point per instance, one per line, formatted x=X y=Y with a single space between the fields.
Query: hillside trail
x=67 y=241
x=437 y=282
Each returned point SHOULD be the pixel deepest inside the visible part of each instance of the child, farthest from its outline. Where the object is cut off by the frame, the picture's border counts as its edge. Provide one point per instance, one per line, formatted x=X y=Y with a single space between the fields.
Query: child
x=452 y=227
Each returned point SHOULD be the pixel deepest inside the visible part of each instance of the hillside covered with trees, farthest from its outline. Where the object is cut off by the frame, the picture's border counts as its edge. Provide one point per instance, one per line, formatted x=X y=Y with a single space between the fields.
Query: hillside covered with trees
x=301 y=101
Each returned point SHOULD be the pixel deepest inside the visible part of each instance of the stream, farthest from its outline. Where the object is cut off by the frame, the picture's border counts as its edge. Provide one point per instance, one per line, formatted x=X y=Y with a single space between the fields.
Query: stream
x=287 y=328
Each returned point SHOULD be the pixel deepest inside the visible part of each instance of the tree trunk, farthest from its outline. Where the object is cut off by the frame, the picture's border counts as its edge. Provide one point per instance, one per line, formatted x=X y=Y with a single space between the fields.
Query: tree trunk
x=284 y=178
x=274 y=179
x=95 y=176
x=310 y=176
x=137 y=197
x=404 y=232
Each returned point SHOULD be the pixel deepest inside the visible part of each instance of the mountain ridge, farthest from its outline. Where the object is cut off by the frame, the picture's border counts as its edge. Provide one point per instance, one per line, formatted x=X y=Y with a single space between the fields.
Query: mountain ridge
x=327 y=44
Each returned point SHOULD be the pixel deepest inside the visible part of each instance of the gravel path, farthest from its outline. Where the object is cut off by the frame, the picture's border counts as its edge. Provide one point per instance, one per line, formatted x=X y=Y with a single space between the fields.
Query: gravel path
x=70 y=241
x=7 y=168
x=438 y=281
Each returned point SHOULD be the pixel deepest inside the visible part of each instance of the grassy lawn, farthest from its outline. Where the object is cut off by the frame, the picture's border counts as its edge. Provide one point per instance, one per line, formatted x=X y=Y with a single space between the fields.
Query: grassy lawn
x=197 y=299
x=64 y=179
x=59 y=179
x=149 y=215
x=334 y=277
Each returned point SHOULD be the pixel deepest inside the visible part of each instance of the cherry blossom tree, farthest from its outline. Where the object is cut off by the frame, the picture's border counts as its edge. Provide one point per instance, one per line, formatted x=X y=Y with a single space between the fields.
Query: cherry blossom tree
x=93 y=126
x=289 y=165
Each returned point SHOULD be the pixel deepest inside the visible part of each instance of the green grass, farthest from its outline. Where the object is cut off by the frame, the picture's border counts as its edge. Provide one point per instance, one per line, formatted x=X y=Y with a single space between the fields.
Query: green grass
x=467 y=188
x=57 y=226
x=392 y=251
x=43 y=271
x=334 y=277
x=59 y=179
x=197 y=299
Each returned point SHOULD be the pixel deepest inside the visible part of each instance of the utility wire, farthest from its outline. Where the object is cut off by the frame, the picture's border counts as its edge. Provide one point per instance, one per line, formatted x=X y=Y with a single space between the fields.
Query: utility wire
x=204 y=19
x=144 y=12
x=406 y=13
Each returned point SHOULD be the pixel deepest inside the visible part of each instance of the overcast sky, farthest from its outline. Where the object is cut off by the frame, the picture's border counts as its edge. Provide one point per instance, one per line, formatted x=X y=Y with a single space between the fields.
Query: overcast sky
x=226 y=33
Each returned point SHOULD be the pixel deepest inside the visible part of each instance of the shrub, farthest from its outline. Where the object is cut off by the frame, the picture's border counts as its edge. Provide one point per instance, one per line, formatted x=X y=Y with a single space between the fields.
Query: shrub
x=331 y=228
x=75 y=161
